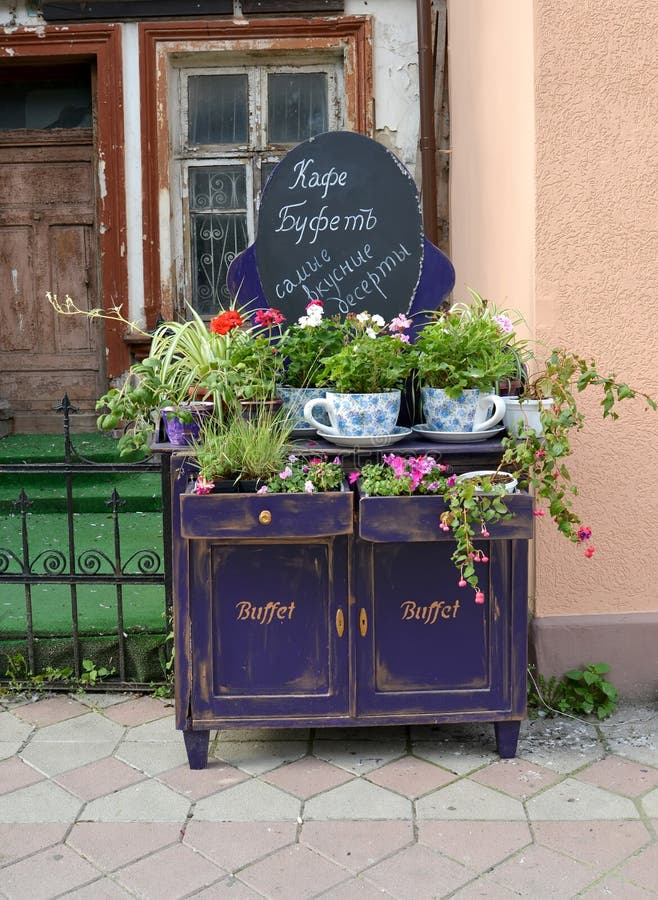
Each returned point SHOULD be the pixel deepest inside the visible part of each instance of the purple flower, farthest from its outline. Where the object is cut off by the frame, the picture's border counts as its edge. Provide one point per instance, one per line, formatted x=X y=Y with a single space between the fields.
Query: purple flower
x=504 y=323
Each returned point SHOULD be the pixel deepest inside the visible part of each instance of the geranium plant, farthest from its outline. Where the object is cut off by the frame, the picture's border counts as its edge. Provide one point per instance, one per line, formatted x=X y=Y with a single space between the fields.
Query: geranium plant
x=467 y=346
x=305 y=343
x=374 y=357
x=257 y=364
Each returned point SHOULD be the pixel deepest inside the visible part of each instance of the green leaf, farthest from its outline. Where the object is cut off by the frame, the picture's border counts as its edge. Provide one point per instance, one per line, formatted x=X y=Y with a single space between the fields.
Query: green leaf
x=600 y=667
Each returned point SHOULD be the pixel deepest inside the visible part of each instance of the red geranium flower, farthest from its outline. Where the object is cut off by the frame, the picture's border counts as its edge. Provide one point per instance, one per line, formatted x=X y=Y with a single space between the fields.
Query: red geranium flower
x=226 y=321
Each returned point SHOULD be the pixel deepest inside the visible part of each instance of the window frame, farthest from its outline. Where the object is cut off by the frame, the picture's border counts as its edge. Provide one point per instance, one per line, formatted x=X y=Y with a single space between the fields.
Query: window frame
x=162 y=46
x=251 y=155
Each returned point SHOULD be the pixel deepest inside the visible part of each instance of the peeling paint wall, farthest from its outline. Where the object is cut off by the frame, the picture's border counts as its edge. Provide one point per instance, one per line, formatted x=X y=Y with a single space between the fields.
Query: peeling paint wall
x=395 y=57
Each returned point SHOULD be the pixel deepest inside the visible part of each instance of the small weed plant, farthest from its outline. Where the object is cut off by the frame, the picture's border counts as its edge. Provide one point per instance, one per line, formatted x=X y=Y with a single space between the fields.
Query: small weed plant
x=585 y=691
x=20 y=678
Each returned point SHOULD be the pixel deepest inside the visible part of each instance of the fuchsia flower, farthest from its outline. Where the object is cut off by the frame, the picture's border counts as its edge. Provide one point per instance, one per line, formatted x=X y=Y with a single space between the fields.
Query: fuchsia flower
x=353 y=476
x=589 y=552
x=584 y=533
x=479 y=597
x=314 y=302
x=538 y=512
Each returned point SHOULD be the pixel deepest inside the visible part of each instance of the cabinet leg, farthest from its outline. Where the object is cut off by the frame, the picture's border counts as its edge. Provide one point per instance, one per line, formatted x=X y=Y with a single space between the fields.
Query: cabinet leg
x=507 y=737
x=196 y=744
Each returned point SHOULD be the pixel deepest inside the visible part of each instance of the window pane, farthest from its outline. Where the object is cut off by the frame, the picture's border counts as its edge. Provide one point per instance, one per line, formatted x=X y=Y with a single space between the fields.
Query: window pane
x=216 y=241
x=217 y=109
x=297 y=106
x=218 y=188
x=45 y=105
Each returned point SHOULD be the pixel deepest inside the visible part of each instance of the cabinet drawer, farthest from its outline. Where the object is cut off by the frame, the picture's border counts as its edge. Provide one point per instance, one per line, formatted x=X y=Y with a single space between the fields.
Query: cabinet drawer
x=391 y=519
x=264 y=517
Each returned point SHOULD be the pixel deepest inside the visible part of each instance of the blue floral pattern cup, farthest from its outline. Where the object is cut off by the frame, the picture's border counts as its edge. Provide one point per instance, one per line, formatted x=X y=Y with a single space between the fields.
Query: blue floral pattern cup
x=356 y=415
x=294 y=401
x=471 y=411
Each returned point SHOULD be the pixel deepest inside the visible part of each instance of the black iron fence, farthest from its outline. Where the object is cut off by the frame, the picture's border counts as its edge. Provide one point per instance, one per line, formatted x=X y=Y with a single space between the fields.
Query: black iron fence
x=76 y=567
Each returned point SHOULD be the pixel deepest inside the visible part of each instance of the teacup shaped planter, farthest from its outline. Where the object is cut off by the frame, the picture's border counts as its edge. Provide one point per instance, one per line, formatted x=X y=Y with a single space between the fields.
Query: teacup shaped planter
x=471 y=411
x=294 y=403
x=356 y=415
x=504 y=478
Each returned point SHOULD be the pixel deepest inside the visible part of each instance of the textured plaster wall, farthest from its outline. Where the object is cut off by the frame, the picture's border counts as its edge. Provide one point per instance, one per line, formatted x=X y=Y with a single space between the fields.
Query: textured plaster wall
x=554 y=210
x=596 y=274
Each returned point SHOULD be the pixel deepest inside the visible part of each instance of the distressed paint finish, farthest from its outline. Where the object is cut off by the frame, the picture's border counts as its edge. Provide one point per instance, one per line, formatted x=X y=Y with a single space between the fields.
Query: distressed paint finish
x=102 y=44
x=259 y=619
x=349 y=35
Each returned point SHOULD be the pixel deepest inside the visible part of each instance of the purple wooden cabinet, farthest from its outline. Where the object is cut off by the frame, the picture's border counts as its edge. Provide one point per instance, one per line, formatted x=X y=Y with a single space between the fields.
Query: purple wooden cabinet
x=427 y=651
x=285 y=617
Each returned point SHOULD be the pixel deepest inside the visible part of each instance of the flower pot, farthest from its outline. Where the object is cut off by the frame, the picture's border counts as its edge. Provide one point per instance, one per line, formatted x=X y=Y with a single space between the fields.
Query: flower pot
x=505 y=478
x=181 y=433
x=295 y=399
x=252 y=410
x=524 y=413
x=356 y=415
x=471 y=411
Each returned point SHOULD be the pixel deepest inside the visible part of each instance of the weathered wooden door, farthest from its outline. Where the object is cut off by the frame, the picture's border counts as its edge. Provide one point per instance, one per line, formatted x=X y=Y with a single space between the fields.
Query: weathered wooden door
x=48 y=243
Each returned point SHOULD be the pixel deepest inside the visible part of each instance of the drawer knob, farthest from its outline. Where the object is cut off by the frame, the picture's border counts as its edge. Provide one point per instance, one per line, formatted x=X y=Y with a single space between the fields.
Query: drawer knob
x=265 y=517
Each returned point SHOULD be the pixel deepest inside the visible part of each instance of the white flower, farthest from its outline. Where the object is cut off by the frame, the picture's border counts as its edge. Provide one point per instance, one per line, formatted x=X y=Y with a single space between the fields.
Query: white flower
x=377 y=320
x=371 y=333
x=363 y=317
x=308 y=487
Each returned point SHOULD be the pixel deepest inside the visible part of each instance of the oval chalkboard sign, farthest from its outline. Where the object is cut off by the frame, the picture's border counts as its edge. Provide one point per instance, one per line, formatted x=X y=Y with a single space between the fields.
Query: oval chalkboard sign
x=340 y=221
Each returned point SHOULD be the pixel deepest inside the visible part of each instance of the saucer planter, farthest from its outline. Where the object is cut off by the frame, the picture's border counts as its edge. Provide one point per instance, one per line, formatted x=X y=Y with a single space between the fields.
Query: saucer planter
x=335 y=609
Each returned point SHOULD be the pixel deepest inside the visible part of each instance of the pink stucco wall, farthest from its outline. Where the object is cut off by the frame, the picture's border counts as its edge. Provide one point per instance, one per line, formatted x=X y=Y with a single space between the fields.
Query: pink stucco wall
x=590 y=201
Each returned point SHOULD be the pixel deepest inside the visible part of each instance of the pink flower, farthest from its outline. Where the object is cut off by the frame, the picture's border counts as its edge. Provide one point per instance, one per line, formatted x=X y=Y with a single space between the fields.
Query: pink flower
x=262 y=490
x=314 y=302
x=403 y=337
x=584 y=533
x=461 y=582
x=400 y=323
x=314 y=460
x=538 y=512
x=287 y=472
x=353 y=476
x=336 y=461
x=589 y=552
x=268 y=317
x=308 y=487
x=479 y=597
x=451 y=480
x=201 y=486
x=504 y=323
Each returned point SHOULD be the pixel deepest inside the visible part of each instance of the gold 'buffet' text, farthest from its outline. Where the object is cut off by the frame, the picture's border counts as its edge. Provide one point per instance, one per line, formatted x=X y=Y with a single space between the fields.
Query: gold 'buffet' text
x=266 y=613
x=428 y=614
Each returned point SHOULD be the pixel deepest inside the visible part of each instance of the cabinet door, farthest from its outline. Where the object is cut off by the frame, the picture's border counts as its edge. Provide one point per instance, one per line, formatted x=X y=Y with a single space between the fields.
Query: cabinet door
x=269 y=629
x=424 y=646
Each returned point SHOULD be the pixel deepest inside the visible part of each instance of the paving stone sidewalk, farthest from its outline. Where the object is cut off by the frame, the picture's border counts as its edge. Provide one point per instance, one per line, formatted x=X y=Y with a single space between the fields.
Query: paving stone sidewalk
x=97 y=801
